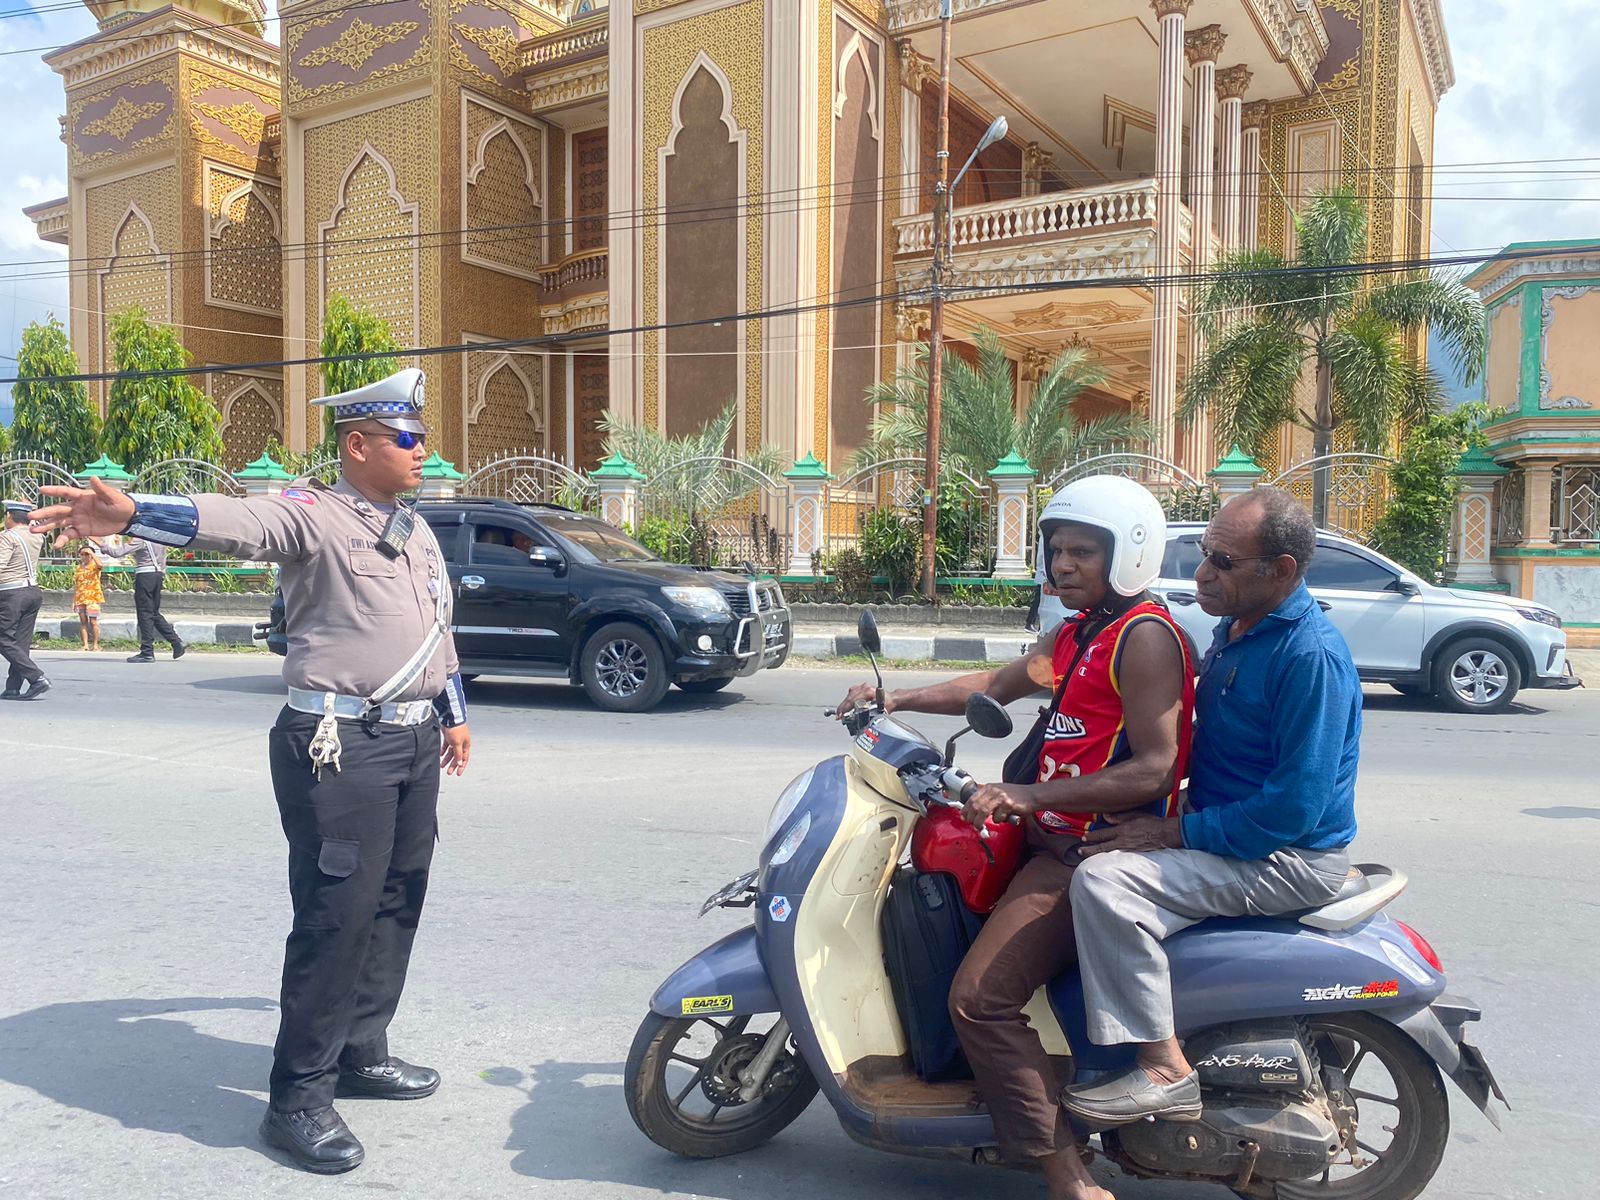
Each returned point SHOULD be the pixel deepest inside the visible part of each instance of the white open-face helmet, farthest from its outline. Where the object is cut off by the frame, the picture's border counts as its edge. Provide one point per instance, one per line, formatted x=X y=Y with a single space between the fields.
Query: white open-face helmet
x=1124 y=509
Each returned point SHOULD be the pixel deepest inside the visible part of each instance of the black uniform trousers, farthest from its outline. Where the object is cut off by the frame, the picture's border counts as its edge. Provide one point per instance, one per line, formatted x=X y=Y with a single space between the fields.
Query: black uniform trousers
x=360 y=842
x=147 y=607
x=19 y=613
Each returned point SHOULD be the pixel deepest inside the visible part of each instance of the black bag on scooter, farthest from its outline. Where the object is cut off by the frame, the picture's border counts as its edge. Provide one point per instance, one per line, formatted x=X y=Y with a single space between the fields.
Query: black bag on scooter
x=927 y=931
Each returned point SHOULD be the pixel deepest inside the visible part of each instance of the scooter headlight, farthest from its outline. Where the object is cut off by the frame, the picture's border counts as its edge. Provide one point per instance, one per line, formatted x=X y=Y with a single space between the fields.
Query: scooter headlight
x=784 y=850
x=788 y=801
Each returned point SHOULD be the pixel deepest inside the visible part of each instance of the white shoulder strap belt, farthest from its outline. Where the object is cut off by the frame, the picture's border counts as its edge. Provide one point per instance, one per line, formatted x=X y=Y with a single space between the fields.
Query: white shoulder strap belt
x=325 y=748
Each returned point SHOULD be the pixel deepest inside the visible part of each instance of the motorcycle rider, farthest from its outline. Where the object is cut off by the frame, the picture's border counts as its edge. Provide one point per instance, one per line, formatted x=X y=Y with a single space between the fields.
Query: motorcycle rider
x=1116 y=742
x=1271 y=802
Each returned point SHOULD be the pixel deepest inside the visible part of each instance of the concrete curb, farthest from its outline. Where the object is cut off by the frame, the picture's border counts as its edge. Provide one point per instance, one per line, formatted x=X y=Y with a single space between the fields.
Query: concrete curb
x=914 y=645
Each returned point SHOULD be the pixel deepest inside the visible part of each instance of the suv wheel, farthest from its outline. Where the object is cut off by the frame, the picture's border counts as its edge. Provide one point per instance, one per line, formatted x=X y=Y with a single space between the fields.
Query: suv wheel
x=1476 y=675
x=623 y=669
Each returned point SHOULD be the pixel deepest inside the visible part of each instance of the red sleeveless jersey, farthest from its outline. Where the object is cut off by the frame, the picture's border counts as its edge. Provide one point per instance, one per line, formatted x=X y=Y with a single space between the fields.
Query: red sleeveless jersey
x=1087 y=732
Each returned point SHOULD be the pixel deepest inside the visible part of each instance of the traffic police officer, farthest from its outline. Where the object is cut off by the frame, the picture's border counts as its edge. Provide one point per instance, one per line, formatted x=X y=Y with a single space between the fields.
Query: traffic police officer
x=357 y=752
x=20 y=598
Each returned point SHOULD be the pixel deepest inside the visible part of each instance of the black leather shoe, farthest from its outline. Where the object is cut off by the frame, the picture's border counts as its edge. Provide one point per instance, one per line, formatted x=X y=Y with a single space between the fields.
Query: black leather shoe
x=142 y=658
x=392 y=1079
x=315 y=1138
x=10 y=694
x=36 y=689
x=179 y=649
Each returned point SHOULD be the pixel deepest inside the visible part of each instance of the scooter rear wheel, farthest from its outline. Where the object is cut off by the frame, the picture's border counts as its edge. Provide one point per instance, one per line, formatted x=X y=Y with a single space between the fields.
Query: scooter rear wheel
x=1402 y=1112
x=682 y=1086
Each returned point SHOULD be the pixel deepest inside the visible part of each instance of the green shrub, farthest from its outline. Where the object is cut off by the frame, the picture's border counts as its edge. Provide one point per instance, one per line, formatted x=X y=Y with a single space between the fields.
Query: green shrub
x=891 y=545
x=1415 y=527
x=851 y=573
x=668 y=537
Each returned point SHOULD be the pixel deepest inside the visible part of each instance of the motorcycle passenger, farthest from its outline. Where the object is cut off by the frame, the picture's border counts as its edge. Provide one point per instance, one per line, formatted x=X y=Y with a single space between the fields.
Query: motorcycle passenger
x=1271 y=802
x=1116 y=742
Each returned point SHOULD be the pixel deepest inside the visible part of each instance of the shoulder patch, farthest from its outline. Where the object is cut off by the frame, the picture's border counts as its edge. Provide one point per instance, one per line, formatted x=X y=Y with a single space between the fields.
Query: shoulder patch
x=299 y=495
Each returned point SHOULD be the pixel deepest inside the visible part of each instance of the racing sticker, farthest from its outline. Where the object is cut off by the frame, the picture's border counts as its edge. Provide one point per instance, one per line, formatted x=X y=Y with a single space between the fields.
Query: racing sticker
x=779 y=909
x=1378 y=989
x=699 y=1006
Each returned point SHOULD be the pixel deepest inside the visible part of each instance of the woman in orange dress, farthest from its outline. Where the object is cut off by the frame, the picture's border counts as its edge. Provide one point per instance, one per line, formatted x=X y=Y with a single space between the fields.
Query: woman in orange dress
x=88 y=595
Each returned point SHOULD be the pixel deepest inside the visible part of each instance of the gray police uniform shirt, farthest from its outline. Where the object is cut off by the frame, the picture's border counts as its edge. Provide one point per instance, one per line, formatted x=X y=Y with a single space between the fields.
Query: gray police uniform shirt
x=355 y=617
x=149 y=558
x=19 y=558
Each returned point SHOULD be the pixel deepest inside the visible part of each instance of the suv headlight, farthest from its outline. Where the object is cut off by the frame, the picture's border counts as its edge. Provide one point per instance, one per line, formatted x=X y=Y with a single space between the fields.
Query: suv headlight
x=702 y=601
x=1540 y=615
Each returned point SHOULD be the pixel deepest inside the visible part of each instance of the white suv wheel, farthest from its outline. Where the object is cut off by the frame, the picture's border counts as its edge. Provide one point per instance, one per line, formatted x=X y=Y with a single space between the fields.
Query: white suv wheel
x=1476 y=675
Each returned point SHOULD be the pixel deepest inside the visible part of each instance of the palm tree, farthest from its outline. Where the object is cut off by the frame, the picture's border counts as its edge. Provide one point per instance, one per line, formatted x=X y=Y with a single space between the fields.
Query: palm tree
x=1266 y=317
x=691 y=471
x=978 y=421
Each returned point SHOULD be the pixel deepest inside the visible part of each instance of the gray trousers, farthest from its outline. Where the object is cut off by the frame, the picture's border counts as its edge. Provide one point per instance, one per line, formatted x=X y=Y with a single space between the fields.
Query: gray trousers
x=1125 y=902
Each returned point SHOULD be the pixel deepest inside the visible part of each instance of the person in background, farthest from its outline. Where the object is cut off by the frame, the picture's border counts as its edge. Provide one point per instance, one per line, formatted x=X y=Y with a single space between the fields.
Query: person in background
x=20 y=597
x=88 y=594
x=149 y=577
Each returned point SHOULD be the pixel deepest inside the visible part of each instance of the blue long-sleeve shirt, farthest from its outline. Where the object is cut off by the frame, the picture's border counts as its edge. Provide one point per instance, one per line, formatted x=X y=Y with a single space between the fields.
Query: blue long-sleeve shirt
x=1277 y=735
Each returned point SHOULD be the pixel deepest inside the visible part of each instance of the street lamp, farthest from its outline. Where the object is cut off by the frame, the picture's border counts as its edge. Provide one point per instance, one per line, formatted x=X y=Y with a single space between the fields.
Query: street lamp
x=941 y=242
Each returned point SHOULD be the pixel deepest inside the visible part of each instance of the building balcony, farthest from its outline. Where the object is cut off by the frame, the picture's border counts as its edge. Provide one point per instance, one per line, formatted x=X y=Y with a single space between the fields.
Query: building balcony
x=52 y=221
x=567 y=68
x=1091 y=233
x=577 y=292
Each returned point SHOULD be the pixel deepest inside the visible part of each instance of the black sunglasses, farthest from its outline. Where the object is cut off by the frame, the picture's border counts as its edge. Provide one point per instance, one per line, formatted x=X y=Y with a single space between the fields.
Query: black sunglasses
x=1226 y=562
x=404 y=439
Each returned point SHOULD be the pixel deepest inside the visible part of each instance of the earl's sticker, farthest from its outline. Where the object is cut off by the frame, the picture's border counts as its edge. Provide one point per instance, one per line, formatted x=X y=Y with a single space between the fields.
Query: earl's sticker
x=699 y=1006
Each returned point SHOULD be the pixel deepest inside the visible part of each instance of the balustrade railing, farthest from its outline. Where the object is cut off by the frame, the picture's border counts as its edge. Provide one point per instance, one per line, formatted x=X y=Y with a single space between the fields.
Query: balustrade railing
x=566 y=46
x=1045 y=216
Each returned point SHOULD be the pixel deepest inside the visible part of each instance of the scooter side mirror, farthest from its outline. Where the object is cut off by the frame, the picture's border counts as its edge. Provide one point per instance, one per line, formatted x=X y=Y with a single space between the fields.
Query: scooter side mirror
x=867 y=633
x=987 y=717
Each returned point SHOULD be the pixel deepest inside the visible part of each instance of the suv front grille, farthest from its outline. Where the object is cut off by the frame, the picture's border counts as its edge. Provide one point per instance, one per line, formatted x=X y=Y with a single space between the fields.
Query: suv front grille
x=754 y=597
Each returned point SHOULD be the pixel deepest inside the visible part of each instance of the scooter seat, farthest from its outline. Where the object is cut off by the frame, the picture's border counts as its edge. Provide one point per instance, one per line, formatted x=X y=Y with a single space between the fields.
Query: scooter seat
x=1368 y=888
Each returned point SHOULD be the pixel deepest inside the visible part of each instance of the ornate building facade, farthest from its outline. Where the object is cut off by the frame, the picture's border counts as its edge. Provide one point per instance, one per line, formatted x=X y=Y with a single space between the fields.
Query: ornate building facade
x=681 y=204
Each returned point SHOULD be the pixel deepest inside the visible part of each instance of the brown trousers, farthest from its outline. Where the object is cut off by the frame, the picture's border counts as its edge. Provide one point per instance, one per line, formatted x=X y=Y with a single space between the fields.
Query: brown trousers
x=1025 y=943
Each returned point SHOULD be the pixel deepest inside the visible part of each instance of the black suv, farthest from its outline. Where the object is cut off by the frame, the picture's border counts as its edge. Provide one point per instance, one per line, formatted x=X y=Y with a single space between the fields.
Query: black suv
x=542 y=590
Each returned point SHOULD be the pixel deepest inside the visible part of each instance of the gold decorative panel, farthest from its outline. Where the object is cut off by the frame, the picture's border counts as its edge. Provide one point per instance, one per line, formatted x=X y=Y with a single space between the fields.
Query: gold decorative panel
x=120 y=278
x=369 y=247
x=126 y=118
x=502 y=172
x=732 y=38
x=505 y=406
x=251 y=410
x=330 y=53
x=244 y=265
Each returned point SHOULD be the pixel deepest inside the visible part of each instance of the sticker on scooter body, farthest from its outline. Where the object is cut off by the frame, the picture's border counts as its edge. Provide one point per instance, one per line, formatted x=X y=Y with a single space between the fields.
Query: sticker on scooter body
x=699 y=1006
x=1378 y=989
x=779 y=909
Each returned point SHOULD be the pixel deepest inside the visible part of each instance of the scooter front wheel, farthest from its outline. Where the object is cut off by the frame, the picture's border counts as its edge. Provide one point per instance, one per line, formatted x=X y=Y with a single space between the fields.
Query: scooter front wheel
x=683 y=1080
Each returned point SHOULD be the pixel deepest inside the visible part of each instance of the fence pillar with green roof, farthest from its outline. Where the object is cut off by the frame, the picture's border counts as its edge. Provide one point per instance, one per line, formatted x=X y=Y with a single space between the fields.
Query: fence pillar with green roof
x=808 y=481
x=107 y=472
x=264 y=477
x=1470 y=561
x=440 y=479
x=1012 y=478
x=618 y=481
x=1235 y=475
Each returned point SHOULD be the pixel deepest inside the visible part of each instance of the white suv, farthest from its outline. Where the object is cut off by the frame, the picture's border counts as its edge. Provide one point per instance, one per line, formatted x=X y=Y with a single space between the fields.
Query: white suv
x=1471 y=650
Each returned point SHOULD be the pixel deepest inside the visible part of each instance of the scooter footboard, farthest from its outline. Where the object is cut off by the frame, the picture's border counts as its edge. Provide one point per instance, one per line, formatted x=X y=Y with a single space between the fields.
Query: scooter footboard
x=726 y=978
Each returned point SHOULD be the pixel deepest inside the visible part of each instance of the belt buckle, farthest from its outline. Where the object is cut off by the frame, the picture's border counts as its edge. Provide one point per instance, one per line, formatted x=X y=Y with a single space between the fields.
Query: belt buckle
x=371 y=715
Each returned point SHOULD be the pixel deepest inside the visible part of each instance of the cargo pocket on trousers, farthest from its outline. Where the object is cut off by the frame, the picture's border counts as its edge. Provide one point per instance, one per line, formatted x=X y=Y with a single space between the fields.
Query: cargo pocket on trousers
x=339 y=859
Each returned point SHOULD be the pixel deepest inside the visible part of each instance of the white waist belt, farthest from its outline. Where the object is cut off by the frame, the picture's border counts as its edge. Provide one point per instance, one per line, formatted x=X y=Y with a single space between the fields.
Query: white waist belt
x=354 y=708
x=16 y=587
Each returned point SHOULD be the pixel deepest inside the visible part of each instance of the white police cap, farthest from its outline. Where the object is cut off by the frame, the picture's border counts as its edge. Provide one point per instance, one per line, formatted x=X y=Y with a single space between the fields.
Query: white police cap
x=395 y=402
x=18 y=508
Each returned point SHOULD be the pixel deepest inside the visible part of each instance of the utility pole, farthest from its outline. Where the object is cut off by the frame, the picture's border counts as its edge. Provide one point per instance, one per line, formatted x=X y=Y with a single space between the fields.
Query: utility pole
x=941 y=211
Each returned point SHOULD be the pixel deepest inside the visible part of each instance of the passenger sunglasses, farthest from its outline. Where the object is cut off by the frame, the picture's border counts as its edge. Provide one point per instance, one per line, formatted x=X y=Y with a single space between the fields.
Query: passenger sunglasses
x=1226 y=562
x=404 y=439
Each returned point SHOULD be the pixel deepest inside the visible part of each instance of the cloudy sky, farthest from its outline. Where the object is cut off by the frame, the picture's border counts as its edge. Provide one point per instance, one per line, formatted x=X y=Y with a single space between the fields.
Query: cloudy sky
x=1524 y=91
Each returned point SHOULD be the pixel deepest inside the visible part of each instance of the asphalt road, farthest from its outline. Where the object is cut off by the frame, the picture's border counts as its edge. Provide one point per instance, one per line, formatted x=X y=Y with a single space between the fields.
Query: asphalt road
x=145 y=909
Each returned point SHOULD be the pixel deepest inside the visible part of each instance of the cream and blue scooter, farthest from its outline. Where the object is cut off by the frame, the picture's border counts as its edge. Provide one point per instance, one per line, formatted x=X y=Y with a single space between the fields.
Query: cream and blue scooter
x=1321 y=1039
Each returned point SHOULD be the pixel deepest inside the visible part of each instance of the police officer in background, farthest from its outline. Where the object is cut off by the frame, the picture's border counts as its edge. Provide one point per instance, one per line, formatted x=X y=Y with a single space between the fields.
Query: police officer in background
x=20 y=598
x=357 y=752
